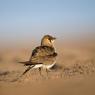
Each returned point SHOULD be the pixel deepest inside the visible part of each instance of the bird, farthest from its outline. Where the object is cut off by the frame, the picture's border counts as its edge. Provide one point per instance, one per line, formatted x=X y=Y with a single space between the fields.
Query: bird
x=43 y=56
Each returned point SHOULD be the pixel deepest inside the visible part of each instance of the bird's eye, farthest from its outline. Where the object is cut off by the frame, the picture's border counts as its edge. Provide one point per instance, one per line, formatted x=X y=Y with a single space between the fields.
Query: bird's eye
x=49 y=39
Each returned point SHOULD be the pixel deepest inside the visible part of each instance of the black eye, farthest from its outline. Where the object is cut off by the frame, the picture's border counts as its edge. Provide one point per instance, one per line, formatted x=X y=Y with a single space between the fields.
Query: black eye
x=50 y=39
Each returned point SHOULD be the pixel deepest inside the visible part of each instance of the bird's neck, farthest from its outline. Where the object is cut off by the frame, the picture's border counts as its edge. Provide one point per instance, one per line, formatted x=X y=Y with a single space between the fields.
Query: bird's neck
x=48 y=45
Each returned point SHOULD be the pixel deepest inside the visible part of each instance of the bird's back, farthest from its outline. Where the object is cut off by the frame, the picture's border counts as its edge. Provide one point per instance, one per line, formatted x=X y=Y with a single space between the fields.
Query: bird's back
x=43 y=51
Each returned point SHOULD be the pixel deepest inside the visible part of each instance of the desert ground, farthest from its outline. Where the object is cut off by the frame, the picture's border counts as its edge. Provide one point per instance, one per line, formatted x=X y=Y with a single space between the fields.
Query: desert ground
x=73 y=75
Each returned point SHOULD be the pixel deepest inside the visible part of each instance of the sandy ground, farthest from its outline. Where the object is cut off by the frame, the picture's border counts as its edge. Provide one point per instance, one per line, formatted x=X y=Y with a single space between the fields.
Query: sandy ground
x=74 y=75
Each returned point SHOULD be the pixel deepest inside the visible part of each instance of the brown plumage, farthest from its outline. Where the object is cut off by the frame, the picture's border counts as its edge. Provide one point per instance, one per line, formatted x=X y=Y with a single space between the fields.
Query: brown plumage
x=43 y=56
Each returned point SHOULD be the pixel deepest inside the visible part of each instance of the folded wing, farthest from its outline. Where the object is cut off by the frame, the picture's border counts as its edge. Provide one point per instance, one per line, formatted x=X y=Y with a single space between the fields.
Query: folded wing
x=43 y=54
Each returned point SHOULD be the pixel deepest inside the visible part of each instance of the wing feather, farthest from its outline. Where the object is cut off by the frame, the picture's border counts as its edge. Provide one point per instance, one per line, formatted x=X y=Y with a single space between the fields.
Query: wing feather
x=42 y=53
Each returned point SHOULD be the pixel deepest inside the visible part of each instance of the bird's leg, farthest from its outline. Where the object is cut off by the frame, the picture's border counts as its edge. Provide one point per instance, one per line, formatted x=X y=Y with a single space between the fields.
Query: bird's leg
x=47 y=71
x=40 y=70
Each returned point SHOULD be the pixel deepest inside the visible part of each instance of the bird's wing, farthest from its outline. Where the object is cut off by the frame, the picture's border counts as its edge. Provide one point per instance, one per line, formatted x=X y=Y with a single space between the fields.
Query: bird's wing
x=42 y=52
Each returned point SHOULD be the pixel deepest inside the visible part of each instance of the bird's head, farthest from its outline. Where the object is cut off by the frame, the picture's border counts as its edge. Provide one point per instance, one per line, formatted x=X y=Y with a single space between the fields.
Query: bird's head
x=48 y=40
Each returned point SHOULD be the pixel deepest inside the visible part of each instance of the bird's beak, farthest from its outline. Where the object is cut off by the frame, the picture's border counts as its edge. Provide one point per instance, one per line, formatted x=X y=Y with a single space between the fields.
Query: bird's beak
x=54 y=38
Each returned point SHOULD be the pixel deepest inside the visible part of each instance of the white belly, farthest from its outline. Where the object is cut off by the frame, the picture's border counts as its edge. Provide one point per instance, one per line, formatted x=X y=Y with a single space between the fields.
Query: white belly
x=48 y=66
x=44 y=66
x=38 y=66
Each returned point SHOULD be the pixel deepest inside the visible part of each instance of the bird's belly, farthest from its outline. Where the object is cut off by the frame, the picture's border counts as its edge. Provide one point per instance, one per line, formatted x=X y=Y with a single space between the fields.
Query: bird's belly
x=37 y=66
x=44 y=66
x=48 y=66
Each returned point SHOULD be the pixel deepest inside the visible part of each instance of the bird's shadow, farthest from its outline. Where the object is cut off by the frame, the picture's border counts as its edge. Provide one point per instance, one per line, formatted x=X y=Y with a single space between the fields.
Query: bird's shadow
x=57 y=67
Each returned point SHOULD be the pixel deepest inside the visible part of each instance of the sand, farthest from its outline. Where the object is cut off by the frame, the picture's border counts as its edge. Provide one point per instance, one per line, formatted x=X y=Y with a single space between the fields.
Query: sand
x=74 y=75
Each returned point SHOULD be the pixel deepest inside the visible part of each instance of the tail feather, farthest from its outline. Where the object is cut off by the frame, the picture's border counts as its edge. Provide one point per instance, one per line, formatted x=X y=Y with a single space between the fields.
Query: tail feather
x=27 y=63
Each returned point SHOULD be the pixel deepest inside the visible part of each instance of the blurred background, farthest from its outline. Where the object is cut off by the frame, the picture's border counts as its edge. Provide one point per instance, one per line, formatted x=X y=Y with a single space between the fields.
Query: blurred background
x=22 y=25
x=24 y=22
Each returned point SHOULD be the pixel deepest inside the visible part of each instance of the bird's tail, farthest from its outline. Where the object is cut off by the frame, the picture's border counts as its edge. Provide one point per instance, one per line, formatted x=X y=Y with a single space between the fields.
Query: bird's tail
x=29 y=63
